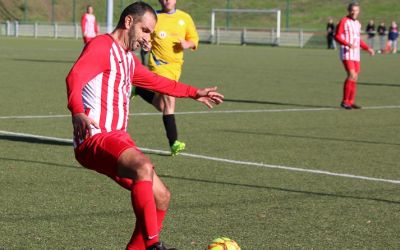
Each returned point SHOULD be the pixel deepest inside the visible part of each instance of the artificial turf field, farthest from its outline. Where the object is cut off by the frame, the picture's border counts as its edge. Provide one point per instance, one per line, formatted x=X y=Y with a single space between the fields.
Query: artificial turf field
x=280 y=119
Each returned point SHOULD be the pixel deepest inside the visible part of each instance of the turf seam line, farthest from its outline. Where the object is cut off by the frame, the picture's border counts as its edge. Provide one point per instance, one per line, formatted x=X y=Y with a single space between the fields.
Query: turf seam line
x=212 y=112
x=263 y=165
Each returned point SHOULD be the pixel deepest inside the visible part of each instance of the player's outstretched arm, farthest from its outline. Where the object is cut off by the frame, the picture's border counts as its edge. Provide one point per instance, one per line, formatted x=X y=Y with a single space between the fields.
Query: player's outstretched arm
x=365 y=46
x=209 y=96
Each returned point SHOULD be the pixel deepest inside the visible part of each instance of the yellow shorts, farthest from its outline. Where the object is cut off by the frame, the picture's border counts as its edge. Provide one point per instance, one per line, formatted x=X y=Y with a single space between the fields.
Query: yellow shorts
x=171 y=71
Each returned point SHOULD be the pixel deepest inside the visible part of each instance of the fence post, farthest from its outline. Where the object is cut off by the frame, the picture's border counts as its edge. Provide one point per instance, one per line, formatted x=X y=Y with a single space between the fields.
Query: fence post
x=301 y=38
x=7 y=28
x=243 y=37
x=76 y=31
x=16 y=28
x=273 y=36
x=217 y=36
x=55 y=29
x=35 y=29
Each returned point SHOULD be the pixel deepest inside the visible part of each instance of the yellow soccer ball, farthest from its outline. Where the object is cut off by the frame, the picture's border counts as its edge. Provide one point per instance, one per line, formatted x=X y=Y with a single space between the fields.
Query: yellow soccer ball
x=223 y=243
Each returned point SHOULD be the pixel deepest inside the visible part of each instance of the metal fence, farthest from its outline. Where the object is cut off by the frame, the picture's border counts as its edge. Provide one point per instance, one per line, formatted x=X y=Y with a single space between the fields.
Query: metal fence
x=292 y=38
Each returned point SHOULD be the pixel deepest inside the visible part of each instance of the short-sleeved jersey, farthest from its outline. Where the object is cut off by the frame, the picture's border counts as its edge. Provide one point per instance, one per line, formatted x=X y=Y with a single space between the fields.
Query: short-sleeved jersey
x=170 y=28
x=89 y=25
x=99 y=84
x=348 y=32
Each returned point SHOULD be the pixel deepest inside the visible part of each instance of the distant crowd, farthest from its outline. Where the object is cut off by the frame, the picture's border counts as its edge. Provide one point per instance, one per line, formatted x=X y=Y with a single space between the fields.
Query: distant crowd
x=388 y=38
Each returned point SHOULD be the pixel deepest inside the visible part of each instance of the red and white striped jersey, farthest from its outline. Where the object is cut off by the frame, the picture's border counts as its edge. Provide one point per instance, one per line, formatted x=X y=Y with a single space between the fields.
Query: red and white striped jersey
x=349 y=32
x=89 y=25
x=99 y=84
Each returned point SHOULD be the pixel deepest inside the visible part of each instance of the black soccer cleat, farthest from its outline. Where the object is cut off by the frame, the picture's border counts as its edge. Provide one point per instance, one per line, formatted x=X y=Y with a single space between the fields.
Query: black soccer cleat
x=159 y=246
x=346 y=106
x=355 y=106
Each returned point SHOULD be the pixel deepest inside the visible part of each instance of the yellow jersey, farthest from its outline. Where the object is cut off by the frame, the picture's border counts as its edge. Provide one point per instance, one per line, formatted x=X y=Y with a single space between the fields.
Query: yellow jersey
x=165 y=40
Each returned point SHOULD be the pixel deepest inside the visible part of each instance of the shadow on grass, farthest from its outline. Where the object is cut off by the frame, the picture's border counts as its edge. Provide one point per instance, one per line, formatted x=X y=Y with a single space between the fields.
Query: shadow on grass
x=20 y=217
x=56 y=142
x=41 y=162
x=310 y=137
x=32 y=139
x=379 y=84
x=282 y=189
x=277 y=103
x=42 y=60
x=223 y=183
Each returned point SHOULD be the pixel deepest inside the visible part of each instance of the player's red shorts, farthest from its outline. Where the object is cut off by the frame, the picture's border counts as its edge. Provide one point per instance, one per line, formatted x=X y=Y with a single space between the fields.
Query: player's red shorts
x=351 y=65
x=101 y=151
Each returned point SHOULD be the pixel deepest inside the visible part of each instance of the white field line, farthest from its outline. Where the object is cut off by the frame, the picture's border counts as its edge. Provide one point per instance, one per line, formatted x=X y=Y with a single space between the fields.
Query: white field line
x=212 y=112
x=262 y=165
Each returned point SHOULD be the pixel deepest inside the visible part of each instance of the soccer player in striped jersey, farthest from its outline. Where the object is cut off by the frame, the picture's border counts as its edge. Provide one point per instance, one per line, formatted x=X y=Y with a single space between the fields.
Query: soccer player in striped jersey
x=174 y=33
x=348 y=35
x=89 y=26
x=98 y=88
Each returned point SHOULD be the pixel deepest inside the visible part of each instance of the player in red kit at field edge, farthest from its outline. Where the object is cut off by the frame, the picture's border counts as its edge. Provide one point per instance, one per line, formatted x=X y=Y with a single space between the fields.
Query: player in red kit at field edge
x=99 y=87
x=89 y=26
x=348 y=35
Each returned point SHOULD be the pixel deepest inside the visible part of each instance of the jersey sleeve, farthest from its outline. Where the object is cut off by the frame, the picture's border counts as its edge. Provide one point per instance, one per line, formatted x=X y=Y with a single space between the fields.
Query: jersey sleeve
x=144 y=78
x=340 y=32
x=363 y=45
x=191 y=32
x=93 y=60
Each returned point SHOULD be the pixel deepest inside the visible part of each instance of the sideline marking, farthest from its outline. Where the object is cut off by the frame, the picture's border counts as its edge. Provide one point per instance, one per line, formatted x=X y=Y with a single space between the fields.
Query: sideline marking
x=148 y=150
x=214 y=112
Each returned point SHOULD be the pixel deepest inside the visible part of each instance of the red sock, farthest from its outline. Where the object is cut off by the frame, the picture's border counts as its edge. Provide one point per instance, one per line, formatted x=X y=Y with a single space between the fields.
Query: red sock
x=160 y=218
x=352 y=96
x=144 y=206
x=347 y=89
x=137 y=239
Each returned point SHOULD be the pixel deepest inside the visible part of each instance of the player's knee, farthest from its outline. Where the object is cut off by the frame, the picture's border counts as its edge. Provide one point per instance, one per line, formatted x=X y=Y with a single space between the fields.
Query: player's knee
x=353 y=76
x=137 y=170
x=168 y=109
x=144 y=170
x=159 y=107
x=158 y=104
x=166 y=196
x=163 y=198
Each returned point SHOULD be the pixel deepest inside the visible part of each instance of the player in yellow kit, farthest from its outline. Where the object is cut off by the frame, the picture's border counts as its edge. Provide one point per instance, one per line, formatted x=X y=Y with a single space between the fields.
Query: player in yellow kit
x=175 y=31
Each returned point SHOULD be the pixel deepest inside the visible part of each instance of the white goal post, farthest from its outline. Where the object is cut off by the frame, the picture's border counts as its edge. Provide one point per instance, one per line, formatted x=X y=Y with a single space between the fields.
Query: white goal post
x=276 y=11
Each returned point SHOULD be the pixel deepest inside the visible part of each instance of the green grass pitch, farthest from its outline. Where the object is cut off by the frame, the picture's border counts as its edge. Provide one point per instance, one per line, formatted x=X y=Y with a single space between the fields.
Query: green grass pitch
x=288 y=98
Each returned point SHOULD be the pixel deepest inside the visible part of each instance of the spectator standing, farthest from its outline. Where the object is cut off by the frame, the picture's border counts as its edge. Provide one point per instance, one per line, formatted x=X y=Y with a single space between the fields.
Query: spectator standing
x=330 y=34
x=393 y=37
x=370 y=29
x=382 y=36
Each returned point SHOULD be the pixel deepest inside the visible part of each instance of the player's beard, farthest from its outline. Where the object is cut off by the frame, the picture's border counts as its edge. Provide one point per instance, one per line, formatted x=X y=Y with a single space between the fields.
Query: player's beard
x=132 y=40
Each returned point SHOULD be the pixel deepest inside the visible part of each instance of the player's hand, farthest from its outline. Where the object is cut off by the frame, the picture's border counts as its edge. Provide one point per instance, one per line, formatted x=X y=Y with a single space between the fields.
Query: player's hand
x=146 y=45
x=81 y=123
x=371 y=51
x=209 y=96
x=351 y=46
x=187 y=44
